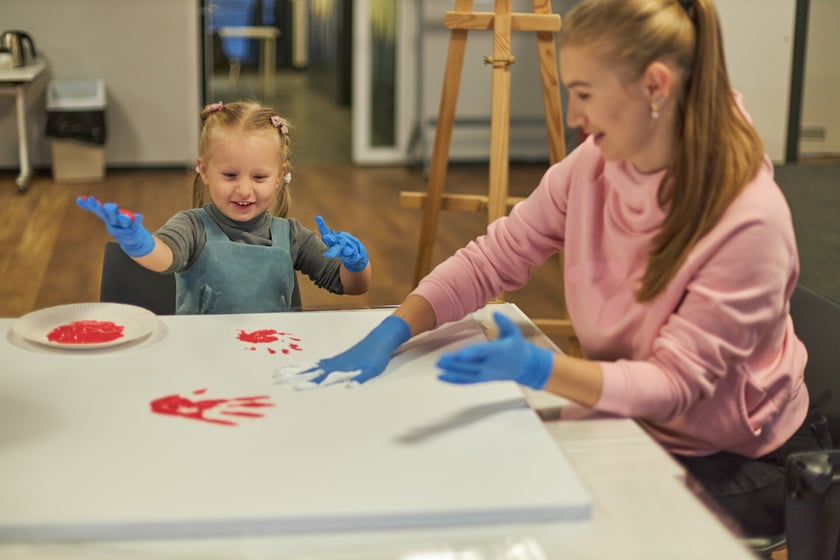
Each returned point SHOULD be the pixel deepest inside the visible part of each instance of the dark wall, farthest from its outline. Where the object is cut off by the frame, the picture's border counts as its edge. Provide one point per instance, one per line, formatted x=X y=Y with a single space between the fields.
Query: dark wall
x=330 y=52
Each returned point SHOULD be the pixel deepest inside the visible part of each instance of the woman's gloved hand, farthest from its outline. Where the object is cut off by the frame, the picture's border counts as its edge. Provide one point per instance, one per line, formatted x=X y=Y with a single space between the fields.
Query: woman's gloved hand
x=508 y=358
x=124 y=226
x=341 y=244
x=369 y=357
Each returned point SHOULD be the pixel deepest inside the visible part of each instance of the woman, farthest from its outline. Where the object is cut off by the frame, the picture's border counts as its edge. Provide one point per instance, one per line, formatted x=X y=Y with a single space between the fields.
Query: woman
x=679 y=254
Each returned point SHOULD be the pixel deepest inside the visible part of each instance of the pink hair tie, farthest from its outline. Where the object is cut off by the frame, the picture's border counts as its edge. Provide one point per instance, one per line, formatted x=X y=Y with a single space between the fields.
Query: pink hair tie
x=277 y=122
x=213 y=107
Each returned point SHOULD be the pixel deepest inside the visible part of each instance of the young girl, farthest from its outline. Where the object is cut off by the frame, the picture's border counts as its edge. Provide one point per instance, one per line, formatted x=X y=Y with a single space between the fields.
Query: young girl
x=679 y=253
x=231 y=255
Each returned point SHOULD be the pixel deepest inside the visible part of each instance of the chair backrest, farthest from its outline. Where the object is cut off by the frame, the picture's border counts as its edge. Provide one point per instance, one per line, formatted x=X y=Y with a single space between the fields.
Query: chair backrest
x=125 y=281
x=816 y=320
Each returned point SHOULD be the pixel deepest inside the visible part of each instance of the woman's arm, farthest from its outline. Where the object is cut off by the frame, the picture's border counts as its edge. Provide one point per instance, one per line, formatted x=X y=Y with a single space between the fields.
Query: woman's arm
x=417 y=313
x=576 y=379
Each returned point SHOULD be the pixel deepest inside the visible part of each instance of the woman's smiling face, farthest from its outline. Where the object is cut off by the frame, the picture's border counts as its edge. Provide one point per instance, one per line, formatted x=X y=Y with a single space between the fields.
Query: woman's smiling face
x=615 y=112
x=243 y=172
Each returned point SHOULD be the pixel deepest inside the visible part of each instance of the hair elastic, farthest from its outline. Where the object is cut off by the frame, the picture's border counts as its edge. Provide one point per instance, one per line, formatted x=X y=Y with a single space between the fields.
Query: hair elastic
x=686 y=4
x=277 y=122
x=213 y=107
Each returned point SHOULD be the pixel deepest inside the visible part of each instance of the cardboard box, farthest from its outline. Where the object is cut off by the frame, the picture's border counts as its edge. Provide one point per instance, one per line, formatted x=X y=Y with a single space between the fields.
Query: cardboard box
x=75 y=161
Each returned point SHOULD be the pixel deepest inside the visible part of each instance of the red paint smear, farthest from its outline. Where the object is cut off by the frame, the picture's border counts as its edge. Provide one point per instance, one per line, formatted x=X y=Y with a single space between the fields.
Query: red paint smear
x=128 y=213
x=86 y=332
x=265 y=336
x=176 y=405
x=260 y=336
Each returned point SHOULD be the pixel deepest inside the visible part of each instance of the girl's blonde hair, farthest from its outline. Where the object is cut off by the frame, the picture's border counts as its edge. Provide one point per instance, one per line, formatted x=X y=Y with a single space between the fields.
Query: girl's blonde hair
x=718 y=151
x=219 y=119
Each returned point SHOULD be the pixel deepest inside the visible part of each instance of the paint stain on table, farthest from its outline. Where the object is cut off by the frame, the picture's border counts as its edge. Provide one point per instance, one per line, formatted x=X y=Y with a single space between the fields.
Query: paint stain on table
x=86 y=332
x=213 y=411
x=273 y=340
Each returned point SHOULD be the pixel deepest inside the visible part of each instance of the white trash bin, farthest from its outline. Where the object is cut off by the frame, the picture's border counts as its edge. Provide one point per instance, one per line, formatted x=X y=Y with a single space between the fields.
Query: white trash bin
x=76 y=126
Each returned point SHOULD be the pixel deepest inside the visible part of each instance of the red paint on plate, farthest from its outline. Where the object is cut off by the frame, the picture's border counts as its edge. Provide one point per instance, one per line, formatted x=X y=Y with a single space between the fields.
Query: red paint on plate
x=86 y=332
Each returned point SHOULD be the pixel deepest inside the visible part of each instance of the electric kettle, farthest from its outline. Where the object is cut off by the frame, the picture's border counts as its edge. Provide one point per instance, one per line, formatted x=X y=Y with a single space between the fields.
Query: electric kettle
x=17 y=48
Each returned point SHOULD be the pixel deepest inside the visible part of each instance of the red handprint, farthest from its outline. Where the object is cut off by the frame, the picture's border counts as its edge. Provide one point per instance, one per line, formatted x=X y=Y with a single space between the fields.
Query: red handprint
x=176 y=405
x=288 y=341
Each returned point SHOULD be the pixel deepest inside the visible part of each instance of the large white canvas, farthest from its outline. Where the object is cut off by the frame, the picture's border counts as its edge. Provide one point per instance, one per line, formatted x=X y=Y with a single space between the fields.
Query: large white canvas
x=83 y=457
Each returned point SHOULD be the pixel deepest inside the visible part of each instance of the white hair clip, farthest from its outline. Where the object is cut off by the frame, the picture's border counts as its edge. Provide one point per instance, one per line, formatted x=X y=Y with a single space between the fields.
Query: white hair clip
x=287 y=178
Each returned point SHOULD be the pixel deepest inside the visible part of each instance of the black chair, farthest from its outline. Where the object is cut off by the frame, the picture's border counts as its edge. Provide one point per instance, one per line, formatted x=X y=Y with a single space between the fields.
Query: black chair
x=812 y=506
x=816 y=320
x=812 y=479
x=125 y=281
x=812 y=503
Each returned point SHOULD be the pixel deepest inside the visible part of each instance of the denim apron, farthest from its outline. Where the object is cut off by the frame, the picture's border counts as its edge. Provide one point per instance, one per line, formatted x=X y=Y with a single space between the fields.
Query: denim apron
x=230 y=277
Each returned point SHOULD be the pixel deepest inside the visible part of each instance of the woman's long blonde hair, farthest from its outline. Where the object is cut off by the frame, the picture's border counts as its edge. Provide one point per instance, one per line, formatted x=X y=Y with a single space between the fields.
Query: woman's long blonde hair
x=219 y=119
x=718 y=151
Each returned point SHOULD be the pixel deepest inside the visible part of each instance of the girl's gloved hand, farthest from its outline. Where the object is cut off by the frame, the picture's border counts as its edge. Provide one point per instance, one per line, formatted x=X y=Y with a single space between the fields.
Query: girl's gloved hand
x=508 y=358
x=124 y=226
x=341 y=244
x=369 y=357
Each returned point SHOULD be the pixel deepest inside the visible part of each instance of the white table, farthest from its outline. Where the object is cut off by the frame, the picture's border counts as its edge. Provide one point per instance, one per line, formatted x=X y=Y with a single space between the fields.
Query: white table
x=267 y=35
x=642 y=507
x=15 y=81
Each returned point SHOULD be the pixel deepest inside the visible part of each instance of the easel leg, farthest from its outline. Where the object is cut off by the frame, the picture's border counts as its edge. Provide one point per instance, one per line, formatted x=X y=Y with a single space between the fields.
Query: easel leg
x=500 y=113
x=440 y=150
x=547 y=51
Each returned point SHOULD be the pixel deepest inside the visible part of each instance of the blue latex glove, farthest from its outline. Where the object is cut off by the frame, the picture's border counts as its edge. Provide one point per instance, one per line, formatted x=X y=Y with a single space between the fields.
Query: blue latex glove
x=344 y=246
x=124 y=226
x=508 y=358
x=370 y=355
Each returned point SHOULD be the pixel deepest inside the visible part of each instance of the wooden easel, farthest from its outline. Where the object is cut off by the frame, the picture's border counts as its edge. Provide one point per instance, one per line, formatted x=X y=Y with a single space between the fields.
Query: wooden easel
x=497 y=202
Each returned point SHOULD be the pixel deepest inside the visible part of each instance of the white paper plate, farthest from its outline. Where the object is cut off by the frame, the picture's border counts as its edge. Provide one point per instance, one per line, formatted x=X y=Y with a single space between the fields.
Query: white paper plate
x=137 y=323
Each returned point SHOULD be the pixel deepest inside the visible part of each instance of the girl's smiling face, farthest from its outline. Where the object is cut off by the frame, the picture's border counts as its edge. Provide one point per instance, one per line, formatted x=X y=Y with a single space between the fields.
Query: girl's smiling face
x=616 y=112
x=242 y=173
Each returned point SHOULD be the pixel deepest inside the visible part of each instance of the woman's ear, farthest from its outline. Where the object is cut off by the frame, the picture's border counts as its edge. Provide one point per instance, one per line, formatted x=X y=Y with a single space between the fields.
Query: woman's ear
x=659 y=80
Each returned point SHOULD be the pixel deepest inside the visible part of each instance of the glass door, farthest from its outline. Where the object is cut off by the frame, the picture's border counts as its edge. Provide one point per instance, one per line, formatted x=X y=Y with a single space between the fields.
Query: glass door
x=293 y=55
x=383 y=71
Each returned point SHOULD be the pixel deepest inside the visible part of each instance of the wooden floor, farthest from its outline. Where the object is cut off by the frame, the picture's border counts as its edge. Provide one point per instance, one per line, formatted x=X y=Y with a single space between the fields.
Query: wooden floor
x=51 y=251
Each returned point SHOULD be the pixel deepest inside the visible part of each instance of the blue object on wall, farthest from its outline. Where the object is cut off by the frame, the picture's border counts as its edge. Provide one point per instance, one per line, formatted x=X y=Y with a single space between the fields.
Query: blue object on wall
x=236 y=13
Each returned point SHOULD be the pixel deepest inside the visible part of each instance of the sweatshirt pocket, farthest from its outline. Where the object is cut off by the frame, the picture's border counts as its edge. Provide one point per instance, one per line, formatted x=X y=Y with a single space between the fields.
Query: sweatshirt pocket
x=758 y=407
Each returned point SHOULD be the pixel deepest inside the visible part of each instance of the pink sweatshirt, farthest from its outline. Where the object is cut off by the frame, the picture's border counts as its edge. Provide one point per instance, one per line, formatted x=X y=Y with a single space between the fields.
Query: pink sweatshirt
x=712 y=363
